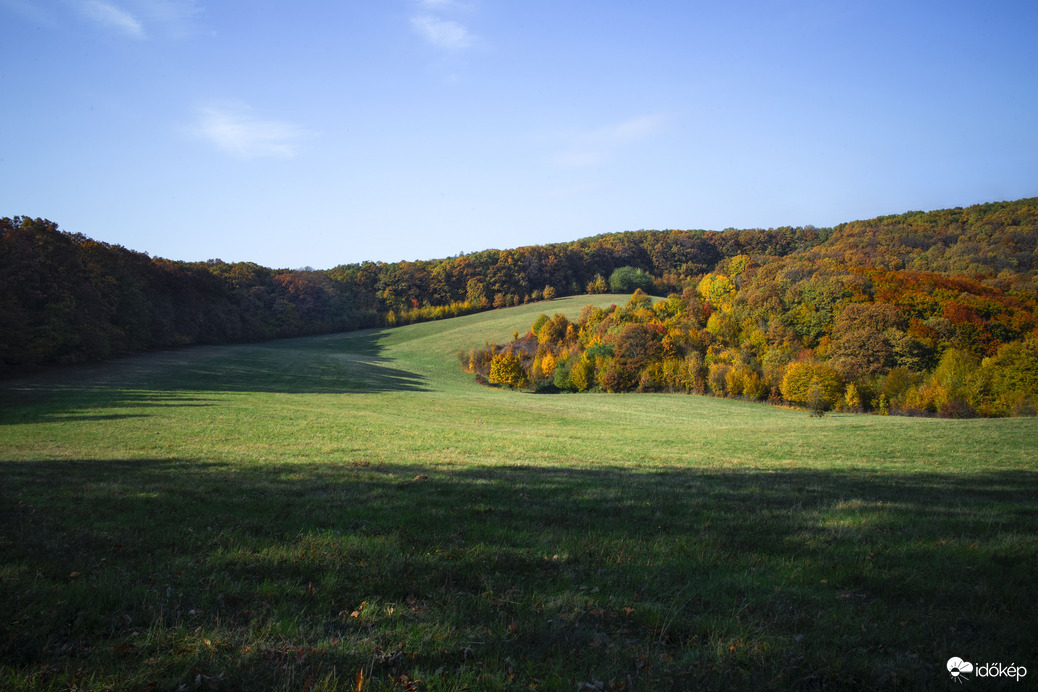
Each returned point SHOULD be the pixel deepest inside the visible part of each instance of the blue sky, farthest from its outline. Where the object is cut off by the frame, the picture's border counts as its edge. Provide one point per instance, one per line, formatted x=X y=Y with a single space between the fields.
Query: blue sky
x=317 y=133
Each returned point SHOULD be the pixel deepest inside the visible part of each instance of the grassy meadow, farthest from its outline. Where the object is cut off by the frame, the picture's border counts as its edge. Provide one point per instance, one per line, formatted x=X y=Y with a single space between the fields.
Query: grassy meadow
x=354 y=512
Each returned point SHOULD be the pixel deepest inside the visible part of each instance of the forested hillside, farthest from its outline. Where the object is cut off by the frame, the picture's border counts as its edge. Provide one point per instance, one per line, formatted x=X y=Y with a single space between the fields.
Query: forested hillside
x=893 y=313
x=917 y=314
x=67 y=298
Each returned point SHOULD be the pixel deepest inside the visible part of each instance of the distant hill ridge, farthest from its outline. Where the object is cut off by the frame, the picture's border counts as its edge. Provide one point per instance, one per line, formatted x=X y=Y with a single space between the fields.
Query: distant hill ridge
x=67 y=298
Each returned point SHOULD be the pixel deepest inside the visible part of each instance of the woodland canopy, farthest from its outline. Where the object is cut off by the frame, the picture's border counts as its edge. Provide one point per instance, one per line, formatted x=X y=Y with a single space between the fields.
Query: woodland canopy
x=929 y=312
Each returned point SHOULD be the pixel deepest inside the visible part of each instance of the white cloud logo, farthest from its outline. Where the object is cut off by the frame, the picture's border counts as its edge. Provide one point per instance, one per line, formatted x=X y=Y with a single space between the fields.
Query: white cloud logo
x=957 y=667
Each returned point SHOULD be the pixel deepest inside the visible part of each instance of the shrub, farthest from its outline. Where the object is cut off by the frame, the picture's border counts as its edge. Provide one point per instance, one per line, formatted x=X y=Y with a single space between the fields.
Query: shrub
x=1024 y=406
x=648 y=382
x=639 y=299
x=957 y=408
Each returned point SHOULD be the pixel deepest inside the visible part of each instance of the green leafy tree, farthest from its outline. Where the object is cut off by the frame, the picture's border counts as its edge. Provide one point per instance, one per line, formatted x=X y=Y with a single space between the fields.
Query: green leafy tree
x=1012 y=373
x=628 y=279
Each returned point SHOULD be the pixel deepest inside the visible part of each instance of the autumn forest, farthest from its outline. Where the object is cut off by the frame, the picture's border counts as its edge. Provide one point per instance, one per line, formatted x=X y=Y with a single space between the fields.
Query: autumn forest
x=924 y=313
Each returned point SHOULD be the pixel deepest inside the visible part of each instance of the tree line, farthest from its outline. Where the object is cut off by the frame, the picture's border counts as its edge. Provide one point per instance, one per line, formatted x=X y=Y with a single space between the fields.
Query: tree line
x=919 y=312
x=66 y=298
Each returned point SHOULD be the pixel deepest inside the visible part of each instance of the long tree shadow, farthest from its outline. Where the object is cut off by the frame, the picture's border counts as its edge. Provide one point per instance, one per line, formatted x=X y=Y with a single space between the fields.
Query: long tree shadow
x=331 y=364
x=673 y=579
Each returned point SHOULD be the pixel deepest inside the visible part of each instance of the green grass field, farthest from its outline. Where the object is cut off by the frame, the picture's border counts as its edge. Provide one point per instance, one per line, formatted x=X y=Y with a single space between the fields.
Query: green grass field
x=353 y=511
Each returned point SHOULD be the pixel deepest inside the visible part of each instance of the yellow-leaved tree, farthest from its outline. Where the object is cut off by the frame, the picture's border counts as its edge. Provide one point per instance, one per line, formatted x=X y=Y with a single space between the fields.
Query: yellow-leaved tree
x=716 y=289
x=548 y=363
x=813 y=384
x=507 y=369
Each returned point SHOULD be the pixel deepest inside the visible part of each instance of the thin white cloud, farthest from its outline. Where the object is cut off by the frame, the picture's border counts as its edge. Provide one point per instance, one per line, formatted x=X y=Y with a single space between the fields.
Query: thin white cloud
x=137 y=19
x=597 y=146
x=109 y=15
x=443 y=33
x=236 y=130
x=175 y=16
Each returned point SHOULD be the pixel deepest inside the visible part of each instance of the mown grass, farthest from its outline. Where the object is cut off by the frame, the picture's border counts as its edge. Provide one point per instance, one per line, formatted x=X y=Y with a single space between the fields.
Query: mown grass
x=298 y=514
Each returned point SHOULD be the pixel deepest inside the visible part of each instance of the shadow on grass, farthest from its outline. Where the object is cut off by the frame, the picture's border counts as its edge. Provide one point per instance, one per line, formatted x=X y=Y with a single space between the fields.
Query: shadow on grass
x=330 y=364
x=493 y=577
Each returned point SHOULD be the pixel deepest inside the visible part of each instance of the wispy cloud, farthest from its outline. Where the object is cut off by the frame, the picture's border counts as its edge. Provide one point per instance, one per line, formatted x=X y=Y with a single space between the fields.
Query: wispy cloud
x=593 y=147
x=439 y=23
x=138 y=19
x=174 y=16
x=235 y=129
x=443 y=33
x=113 y=17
